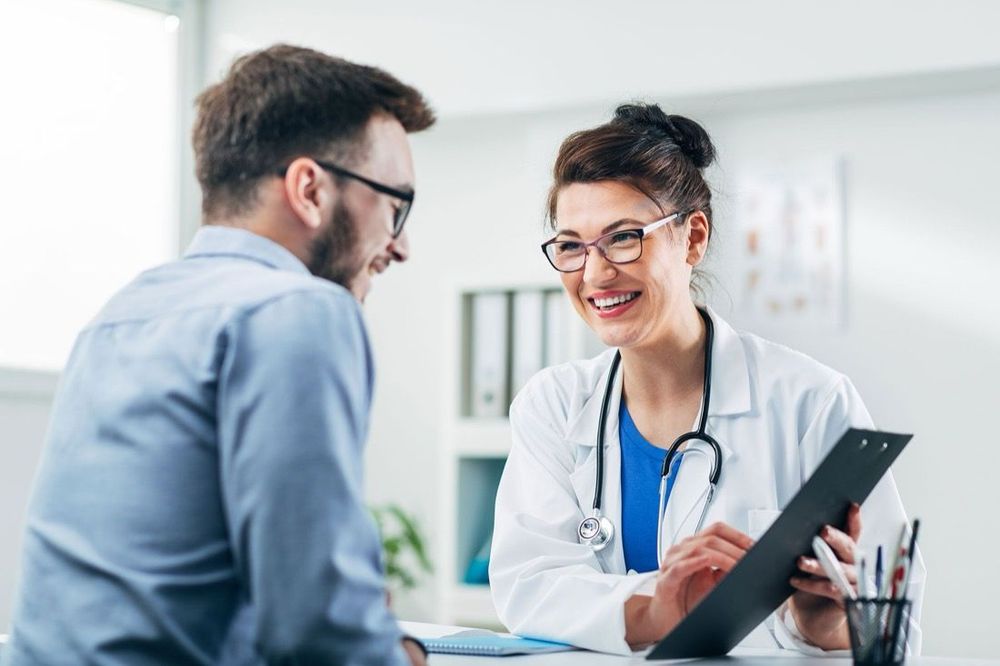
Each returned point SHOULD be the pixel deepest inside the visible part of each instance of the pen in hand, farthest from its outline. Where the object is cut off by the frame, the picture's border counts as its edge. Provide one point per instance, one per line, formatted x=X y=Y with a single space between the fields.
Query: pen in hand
x=832 y=567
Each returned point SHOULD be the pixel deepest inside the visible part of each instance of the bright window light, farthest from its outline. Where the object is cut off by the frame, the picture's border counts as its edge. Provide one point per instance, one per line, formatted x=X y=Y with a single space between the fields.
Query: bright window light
x=89 y=150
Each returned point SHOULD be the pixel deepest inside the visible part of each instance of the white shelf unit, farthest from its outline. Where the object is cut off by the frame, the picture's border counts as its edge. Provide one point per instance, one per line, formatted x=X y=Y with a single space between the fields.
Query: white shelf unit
x=475 y=449
x=481 y=437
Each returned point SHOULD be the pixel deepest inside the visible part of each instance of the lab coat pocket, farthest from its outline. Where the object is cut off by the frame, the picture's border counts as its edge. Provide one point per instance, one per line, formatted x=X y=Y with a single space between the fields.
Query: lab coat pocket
x=759 y=520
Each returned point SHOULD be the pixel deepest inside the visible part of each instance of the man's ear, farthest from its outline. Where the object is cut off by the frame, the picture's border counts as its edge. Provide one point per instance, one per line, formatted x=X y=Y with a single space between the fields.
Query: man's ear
x=309 y=201
x=699 y=229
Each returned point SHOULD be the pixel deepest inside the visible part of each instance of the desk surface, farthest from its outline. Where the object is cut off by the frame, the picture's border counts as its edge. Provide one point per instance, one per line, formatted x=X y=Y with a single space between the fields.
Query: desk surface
x=738 y=657
x=755 y=658
x=745 y=657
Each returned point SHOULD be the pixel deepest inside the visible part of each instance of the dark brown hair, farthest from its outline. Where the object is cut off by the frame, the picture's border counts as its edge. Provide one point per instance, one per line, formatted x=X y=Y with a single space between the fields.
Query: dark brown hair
x=658 y=154
x=283 y=102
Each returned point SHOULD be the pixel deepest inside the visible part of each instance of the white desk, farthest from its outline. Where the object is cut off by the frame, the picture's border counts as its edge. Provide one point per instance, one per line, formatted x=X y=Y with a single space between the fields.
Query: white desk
x=738 y=657
x=758 y=658
x=594 y=659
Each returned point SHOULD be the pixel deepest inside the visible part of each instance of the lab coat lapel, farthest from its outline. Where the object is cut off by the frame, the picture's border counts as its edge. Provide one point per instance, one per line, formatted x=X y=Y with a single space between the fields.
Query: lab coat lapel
x=731 y=394
x=582 y=429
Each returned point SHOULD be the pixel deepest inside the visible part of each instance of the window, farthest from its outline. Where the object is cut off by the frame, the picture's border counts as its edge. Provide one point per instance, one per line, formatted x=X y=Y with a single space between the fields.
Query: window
x=90 y=152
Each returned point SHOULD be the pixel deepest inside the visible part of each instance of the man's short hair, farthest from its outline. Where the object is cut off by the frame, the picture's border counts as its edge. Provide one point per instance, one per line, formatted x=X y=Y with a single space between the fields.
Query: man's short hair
x=284 y=102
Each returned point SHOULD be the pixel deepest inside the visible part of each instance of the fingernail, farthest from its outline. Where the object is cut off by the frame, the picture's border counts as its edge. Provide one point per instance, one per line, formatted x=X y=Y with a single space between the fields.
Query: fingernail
x=826 y=531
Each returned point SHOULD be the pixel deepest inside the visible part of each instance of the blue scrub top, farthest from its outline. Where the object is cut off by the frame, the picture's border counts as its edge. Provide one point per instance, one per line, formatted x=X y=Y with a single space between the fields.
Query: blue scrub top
x=641 y=463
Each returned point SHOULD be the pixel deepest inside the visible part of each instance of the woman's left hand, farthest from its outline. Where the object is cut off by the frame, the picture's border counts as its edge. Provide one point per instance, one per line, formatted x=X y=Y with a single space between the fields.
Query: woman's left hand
x=818 y=606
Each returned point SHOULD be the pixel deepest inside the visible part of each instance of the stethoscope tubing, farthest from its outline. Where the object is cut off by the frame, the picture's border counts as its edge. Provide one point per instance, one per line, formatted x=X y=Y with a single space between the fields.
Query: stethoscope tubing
x=699 y=435
x=602 y=424
x=661 y=511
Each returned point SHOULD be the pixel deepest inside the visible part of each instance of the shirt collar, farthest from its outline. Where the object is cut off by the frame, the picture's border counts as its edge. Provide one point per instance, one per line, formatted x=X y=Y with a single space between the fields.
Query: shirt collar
x=730 y=372
x=219 y=241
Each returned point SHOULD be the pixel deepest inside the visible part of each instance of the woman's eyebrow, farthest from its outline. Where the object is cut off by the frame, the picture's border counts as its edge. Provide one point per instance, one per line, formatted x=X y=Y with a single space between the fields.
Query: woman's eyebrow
x=614 y=225
x=611 y=227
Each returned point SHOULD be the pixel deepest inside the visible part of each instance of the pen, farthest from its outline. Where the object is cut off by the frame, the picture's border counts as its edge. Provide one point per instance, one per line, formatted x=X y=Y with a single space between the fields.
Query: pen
x=898 y=562
x=863 y=576
x=909 y=556
x=831 y=566
x=900 y=566
x=896 y=613
x=878 y=571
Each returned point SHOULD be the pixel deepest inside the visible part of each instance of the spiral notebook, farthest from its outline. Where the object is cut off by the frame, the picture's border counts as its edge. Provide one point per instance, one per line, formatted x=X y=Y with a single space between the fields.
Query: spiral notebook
x=490 y=645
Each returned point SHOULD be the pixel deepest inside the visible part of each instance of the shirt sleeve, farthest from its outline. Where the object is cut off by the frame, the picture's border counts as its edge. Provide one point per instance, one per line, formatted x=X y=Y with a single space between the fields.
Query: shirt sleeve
x=293 y=401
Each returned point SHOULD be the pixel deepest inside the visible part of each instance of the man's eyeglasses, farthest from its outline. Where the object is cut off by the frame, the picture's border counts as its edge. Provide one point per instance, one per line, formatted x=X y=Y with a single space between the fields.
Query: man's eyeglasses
x=402 y=210
x=619 y=247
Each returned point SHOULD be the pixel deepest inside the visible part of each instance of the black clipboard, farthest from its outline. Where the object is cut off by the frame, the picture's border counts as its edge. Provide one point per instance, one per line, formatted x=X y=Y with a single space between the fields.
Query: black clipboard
x=758 y=584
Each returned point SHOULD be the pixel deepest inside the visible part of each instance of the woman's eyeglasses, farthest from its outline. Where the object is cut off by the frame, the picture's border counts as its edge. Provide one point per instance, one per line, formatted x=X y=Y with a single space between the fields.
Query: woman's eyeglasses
x=619 y=247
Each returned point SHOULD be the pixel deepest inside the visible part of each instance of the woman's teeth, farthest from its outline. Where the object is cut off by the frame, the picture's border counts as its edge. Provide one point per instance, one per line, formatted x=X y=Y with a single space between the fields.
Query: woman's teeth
x=607 y=303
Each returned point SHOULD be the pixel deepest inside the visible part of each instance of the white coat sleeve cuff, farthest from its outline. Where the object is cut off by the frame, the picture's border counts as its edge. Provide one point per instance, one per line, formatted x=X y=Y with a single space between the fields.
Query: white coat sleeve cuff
x=647 y=585
x=594 y=619
x=643 y=584
x=788 y=636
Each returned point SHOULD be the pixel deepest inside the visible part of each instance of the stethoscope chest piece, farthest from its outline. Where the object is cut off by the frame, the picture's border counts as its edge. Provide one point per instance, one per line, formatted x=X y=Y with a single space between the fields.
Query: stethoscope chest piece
x=596 y=532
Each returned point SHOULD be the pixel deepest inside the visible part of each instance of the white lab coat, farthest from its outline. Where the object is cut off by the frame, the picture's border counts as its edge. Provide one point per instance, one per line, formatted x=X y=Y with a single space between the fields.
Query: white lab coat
x=775 y=413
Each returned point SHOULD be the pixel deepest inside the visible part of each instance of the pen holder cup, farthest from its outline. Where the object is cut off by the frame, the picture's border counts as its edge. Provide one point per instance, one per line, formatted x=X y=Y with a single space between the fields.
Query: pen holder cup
x=878 y=629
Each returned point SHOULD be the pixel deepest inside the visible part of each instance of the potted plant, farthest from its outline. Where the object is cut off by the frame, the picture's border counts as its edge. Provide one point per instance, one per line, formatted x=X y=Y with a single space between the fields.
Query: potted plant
x=403 y=551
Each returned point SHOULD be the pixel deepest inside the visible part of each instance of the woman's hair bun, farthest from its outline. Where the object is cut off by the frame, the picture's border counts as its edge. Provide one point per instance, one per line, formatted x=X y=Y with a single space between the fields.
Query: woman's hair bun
x=690 y=137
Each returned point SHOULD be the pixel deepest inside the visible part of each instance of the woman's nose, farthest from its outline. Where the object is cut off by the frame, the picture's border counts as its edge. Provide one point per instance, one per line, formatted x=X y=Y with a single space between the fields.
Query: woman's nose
x=596 y=267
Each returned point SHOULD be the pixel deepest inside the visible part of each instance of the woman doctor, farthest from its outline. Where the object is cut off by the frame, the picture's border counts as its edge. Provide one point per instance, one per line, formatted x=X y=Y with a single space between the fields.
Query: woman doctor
x=632 y=218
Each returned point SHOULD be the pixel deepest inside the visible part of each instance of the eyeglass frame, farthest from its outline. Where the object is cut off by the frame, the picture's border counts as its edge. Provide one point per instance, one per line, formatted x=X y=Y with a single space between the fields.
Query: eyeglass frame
x=643 y=232
x=402 y=212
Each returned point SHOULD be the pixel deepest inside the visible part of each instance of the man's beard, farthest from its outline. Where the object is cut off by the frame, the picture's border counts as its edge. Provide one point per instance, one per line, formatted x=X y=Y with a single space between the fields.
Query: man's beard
x=333 y=251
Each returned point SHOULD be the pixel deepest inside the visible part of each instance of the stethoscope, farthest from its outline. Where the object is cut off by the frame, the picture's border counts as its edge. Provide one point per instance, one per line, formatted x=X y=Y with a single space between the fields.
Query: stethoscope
x=597 y=530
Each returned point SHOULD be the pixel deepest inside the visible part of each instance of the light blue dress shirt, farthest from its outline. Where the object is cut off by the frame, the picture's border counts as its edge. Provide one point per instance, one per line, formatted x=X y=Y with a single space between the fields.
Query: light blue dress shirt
x=200 y=496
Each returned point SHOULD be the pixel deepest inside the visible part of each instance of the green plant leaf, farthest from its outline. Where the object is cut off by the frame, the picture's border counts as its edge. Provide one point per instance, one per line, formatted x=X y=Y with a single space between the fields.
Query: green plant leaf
x=400 y=534
x=412 y=535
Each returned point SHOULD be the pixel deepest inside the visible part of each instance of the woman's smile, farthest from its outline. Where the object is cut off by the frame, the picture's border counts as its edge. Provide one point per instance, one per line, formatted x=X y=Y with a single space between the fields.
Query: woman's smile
x=610 y=304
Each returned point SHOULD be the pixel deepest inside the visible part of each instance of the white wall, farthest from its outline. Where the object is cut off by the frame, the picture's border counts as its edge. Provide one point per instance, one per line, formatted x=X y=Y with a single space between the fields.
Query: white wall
x=25 y=399
x=522 y=55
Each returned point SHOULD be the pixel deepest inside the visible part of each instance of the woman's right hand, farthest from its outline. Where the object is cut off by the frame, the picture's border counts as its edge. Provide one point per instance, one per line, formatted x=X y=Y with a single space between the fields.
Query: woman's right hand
x=690 y=569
